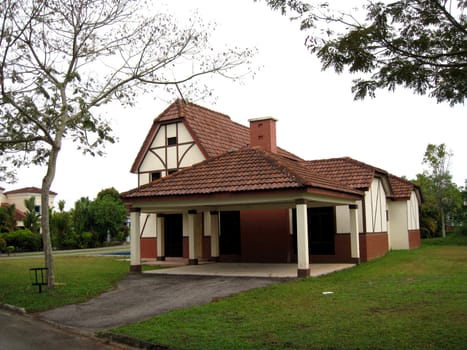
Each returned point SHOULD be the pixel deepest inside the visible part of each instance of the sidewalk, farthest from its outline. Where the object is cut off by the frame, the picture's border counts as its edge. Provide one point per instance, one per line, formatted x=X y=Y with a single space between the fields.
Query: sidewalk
x=248 y=270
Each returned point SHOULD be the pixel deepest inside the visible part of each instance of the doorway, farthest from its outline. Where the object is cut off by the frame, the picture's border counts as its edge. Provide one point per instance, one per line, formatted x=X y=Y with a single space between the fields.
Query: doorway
x=229 y=240
x=321 y=231
x=173 y=232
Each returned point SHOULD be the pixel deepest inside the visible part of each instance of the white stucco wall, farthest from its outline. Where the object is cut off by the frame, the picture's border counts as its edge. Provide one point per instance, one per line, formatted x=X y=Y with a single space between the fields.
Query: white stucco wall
x=18 y=200
x=148 y=225
x=375 y=207
x=398 y=229
x=343 y=218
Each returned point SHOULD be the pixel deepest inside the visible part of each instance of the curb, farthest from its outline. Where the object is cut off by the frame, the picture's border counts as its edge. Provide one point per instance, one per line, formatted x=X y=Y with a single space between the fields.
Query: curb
x=133 y=342
x=13 y=308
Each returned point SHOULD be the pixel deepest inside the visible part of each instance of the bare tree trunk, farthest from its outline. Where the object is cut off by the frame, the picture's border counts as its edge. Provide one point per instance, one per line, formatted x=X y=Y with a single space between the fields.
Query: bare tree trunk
x=46 y=239
x=443 y=223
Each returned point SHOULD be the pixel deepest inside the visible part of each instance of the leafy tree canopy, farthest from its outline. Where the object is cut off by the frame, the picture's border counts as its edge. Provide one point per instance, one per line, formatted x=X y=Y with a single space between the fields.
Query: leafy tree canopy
x=442 y=197
x=417 y=44
x=111 y=193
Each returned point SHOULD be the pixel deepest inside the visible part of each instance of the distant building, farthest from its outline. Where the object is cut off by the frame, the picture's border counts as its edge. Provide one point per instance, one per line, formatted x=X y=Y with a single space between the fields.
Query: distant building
x=18 y=196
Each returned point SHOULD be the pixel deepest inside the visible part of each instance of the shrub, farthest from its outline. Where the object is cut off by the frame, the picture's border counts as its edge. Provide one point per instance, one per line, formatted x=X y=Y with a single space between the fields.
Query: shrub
x=24 y=240
x=10 y=249
x=462 y=229
x=2 y=245
x=87 y=240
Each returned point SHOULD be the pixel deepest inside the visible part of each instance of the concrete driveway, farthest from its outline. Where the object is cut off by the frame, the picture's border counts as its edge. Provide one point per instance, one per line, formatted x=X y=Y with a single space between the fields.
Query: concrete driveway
x=141 y=296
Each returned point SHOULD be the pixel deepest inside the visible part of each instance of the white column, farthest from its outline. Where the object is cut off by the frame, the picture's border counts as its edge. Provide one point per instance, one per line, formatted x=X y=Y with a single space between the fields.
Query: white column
x=354 y=234
x=135 y=243
x=303 y=269
x=214 y=235
x=192 y=258
x=160 y=238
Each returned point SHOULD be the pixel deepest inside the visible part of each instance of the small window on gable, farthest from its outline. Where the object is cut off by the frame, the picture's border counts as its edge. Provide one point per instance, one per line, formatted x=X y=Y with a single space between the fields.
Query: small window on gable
x=156 y=175
x=171 y=141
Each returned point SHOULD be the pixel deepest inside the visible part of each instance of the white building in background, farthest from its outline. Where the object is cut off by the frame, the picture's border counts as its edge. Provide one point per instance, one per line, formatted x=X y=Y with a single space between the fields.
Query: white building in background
x=18 y=196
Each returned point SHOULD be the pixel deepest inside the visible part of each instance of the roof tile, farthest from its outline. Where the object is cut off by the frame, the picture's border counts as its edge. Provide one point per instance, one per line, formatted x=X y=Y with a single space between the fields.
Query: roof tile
x=346 y=170
x=402 y=189
x=28 y=190
x=247 y=169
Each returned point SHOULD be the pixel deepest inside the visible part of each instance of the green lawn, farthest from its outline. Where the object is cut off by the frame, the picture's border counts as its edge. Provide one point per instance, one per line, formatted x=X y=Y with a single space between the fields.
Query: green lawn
x=79 y=278
x=406 y=300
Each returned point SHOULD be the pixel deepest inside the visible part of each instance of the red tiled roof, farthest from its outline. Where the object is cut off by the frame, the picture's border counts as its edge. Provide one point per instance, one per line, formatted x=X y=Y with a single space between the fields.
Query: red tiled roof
x=346 y=170
x=214 y=132
x=402 y=189
x=247 y=169
x=28 y=190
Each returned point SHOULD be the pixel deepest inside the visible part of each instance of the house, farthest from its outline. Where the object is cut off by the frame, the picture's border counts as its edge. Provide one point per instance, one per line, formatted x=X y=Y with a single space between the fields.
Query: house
x=17 y=198
x=209 y=188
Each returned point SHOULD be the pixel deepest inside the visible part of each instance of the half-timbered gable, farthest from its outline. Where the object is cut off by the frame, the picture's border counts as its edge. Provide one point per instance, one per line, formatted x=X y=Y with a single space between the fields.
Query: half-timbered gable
x=172 y=148
x=375 y=207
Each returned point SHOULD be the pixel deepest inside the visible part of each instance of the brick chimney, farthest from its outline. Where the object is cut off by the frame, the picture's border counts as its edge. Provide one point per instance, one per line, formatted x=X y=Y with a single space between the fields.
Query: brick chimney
x=263 y=133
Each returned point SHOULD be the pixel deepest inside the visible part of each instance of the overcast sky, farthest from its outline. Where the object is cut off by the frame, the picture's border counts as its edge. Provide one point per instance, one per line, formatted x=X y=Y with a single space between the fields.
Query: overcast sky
x=317 y=117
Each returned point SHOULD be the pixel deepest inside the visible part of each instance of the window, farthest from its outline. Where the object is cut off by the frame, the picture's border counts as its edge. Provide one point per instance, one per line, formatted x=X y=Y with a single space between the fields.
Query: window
x=172 y=171
x=155 y=176
x=37 y=208
x=171 y=141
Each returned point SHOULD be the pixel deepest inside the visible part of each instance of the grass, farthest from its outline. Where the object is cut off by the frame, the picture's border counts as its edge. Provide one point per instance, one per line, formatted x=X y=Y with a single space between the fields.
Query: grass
x=79 y=278
x=407 y=300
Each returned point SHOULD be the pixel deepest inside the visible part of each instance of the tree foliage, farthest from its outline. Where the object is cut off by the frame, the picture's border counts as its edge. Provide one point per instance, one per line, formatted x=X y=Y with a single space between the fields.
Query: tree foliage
x=7 y=218
x=442 y=197
x=32 y=219
x=60 y=60
x=109 y=215
x=61 y=228
x=81 y=215
x=417 y=44
x=91 y=222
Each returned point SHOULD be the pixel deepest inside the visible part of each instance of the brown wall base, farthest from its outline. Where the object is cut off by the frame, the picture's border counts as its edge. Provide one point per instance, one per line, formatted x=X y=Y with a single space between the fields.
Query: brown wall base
x=373 y=245
x=135 y=268
x=414 y=239
x=148 y=248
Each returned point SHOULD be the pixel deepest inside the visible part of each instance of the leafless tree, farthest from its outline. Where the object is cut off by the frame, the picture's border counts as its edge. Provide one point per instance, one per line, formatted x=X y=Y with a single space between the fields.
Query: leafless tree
x=62 y=59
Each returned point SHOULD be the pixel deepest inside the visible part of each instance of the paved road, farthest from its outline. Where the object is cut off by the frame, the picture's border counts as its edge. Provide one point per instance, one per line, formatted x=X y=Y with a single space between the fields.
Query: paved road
x=72 y=252
x=22 y=332
x=139 y=297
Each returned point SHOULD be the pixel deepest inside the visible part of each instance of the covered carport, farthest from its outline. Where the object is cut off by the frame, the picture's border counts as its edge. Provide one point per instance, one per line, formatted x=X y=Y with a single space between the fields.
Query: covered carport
x=246 y=179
